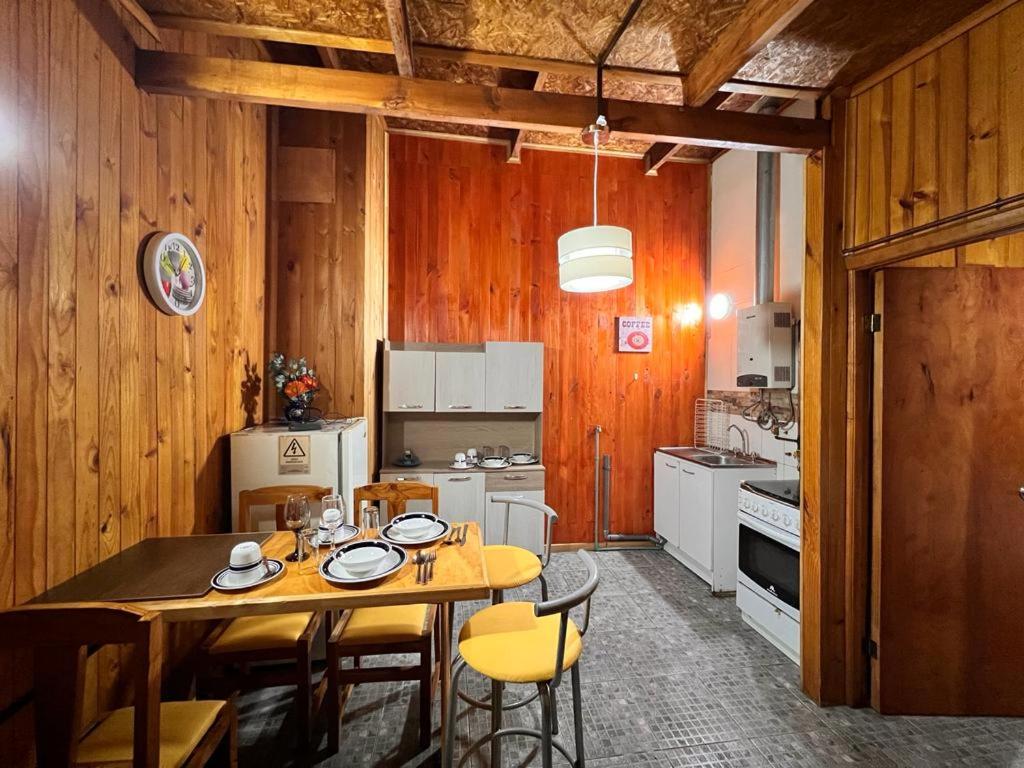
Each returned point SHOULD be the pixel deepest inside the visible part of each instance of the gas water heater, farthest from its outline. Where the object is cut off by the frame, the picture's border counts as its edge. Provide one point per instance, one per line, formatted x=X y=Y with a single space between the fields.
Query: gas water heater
x=764 y=346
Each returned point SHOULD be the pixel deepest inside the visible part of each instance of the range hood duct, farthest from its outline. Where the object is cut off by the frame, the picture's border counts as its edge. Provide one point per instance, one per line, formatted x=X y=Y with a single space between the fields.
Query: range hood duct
x=766 y=227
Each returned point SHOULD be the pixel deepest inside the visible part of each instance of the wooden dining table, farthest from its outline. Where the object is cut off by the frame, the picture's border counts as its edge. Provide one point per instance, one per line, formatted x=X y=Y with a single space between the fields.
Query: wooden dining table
x=460 y=573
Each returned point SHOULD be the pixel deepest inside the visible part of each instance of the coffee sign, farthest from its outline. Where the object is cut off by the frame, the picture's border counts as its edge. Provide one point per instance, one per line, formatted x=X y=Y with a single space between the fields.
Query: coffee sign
x=635 y=334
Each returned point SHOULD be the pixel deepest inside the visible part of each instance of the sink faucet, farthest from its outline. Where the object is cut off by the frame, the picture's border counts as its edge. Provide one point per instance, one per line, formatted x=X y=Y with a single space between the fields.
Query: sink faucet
x=744 y=437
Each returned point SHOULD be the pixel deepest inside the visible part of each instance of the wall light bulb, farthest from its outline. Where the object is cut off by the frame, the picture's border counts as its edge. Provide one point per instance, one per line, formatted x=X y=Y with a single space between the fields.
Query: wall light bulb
x=720 y=306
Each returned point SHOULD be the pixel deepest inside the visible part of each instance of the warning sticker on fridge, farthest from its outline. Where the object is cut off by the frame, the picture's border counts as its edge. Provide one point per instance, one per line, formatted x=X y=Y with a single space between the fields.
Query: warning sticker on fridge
x=293 y=455
x=635 y=334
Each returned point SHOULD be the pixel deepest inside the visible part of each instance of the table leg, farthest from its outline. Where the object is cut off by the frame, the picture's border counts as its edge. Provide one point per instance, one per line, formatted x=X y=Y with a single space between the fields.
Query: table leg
x=446 y=661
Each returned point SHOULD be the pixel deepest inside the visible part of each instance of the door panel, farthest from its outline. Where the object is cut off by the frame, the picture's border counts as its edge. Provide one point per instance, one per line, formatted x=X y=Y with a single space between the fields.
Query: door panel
x=460 y=381
x=666 y=498
x=948 y=525
x=696 y=533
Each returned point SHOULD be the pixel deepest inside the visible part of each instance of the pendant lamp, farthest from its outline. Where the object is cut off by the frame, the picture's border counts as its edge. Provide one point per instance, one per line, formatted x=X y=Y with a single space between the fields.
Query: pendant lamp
x=599 y=257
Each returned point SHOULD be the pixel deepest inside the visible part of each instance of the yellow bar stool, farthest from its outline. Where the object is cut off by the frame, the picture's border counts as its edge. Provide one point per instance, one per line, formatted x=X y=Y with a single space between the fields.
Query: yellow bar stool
x=525 y=643
x=509 y=566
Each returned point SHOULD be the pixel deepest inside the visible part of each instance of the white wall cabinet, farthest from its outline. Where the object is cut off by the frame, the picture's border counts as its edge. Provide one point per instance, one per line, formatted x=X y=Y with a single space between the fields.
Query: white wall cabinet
x=409 y=380
x=461 y=496
x=459 y=382
x=514 y=376
x=695 y=511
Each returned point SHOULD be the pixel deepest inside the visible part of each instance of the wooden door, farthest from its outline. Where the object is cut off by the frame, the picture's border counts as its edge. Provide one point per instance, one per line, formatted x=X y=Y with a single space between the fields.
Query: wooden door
x=515 y=376
x=948 y=522
x=408 y=380
x=460 y=382
x=666 y=497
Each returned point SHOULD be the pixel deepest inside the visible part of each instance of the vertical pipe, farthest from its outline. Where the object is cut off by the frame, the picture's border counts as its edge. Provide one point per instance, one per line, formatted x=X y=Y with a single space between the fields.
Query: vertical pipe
x=597 y=487
x=606 y=502
x=767 y=186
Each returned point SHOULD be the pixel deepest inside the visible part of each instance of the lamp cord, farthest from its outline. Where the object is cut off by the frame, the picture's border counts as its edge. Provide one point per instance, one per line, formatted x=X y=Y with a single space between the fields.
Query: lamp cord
x=595 y=178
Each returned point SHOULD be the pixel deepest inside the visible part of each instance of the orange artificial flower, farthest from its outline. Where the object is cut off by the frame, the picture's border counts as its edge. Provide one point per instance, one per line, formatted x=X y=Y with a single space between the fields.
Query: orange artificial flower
x=295 y=388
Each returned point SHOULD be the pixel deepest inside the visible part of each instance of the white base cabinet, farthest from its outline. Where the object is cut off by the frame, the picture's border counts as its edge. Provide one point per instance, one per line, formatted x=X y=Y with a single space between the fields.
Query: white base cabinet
x=461 y=497
x=695 y=510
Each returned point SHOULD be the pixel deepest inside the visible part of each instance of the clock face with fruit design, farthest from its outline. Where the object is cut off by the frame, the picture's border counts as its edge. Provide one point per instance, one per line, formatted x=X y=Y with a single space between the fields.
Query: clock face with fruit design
x=175 y=275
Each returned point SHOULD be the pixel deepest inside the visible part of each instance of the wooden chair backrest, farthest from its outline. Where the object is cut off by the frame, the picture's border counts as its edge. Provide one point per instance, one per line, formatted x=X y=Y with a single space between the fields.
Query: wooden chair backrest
x=61 y=635
x=396 y=495
x=275 y=496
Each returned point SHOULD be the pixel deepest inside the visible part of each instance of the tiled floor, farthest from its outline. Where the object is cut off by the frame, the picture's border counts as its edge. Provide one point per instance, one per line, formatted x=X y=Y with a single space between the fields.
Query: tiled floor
x=671 y=677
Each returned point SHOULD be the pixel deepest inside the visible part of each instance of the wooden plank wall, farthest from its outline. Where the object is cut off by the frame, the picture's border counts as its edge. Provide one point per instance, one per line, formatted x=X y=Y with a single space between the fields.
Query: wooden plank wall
x=940 y=137
x=473 y=257
x=112 y=414
x=329 y=271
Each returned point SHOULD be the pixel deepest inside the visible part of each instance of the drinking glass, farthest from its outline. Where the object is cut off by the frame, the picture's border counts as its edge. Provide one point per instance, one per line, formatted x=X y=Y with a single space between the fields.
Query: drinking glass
x=296 y=517
x=334 y=502
x=311 y=536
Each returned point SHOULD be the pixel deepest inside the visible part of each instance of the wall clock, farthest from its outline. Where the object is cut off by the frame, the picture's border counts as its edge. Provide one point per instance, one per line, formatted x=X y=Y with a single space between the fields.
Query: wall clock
x=175 y=275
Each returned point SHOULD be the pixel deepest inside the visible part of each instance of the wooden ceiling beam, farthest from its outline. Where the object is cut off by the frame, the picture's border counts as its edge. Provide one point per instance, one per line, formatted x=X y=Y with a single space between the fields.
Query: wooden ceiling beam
x=329 y=57
x=657 y=155
x=483 y=58
x=139 y=13
x=401 y=36
x=518 y=136
x=757 y=24
x=349 y=91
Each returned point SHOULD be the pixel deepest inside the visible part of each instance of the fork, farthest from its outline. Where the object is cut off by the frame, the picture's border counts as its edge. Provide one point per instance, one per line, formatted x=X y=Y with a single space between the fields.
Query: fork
x=453 y=535
x=430 y=558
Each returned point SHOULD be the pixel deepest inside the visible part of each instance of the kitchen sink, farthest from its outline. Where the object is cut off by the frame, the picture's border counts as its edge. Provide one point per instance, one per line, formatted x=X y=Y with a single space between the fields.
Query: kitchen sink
x=702 y=457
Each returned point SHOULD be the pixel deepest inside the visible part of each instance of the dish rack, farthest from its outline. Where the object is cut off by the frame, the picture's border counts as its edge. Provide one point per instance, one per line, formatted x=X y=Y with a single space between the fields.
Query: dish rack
x=710 y=424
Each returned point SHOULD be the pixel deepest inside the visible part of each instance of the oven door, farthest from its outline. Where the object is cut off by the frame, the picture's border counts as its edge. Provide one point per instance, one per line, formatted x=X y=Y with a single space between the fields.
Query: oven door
x=769 y=564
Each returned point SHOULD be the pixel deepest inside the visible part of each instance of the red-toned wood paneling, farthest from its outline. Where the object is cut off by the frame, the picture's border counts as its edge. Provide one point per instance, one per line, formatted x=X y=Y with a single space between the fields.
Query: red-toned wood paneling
x=473 y=257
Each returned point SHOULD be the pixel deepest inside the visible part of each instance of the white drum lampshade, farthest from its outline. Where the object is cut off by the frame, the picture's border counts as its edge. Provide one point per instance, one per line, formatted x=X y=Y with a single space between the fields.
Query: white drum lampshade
x=595 y=258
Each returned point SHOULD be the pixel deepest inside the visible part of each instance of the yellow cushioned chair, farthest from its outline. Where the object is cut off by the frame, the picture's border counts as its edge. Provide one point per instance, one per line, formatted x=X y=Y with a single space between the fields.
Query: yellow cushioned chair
x=509 y=566
x=524 y=643
x=384 y=630
x=236 y=643
x=148 y=734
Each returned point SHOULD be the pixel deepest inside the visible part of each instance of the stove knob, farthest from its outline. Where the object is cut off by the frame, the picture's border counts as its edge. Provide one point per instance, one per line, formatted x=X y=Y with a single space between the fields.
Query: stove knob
x=764 y=512
x=786 y=521
x=775 y=517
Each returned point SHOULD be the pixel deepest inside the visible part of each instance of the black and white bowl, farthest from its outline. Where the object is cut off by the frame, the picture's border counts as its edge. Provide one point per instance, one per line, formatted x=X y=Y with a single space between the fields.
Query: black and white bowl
x=333 y=568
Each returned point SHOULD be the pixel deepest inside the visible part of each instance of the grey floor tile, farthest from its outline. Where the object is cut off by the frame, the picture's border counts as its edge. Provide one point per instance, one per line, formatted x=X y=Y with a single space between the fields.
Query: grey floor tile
x=672 y=677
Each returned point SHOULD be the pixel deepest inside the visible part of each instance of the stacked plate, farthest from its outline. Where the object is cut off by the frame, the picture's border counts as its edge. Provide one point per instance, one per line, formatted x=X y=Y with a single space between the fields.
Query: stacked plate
x=415 y=528
x=362 y=561
x=342 y=534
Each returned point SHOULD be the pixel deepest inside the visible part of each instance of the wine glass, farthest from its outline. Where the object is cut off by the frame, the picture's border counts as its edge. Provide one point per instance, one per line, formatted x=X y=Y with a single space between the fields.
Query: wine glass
x=296 y=517
x=332 y=514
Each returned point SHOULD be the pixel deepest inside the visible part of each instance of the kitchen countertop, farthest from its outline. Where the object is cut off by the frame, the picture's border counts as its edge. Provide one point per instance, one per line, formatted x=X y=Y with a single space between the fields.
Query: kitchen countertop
x=689 y=453
x=442 y=466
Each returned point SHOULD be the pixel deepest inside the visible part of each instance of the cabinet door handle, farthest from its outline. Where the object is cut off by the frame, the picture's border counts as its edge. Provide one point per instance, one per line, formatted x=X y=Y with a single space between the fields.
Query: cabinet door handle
x=407 y=479
x=515 y=477
x=515 y=407
x=670 y=465
x=410 y=406
x=687 y=471
x=459 y=479
x=460 y=407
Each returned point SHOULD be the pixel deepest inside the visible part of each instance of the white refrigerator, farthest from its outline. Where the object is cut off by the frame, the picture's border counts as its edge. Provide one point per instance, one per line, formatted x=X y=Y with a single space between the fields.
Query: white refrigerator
x=269 y=454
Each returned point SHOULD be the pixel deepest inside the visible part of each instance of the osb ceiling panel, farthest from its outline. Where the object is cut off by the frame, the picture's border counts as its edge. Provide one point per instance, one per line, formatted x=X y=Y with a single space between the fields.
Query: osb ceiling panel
x=451 y=129
x=615 y=88
x=571 y=141
x=362 y=18
x=553 y=29
x=839 y=42
x=671 y=35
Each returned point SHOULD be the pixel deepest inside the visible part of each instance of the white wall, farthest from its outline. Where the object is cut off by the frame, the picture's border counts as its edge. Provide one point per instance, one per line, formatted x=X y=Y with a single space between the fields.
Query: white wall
x=731 y=271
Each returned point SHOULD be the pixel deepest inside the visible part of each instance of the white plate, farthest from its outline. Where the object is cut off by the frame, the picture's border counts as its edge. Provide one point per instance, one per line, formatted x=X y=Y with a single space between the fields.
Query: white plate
x=439 y=531
x=497 y=465
x=344 y=533
x=336 y=573
x=453 y=465
x=226 y=580
x=523 y=458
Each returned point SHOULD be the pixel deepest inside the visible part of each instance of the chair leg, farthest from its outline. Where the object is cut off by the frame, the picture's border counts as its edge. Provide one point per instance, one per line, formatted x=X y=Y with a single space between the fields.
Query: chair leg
x=554 y=710
x=303 y=694
x=545 y=724
x=333 y=697
x=426 y=696
x=496 y=699
x=577 y=716
x=448 y=753
x=497 y=596
x=232 y=740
